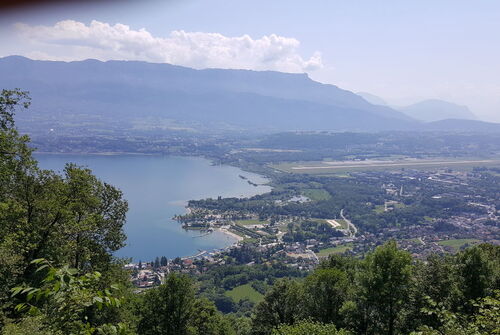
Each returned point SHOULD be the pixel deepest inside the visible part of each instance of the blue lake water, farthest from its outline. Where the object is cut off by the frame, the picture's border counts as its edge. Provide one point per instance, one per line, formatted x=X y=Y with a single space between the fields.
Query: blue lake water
x=157 y=188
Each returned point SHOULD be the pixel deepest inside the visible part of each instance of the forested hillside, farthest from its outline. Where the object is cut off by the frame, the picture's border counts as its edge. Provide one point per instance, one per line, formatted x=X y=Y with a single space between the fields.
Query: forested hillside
x=58 y=275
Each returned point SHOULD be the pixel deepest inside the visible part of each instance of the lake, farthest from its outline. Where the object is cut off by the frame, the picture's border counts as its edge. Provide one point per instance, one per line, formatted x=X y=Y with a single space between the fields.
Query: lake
x=157 y=188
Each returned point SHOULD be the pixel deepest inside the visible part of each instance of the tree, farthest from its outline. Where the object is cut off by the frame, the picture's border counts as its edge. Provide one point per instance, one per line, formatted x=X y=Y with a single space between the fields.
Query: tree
x=325 y=292
x=486 y=321
x=241 y=325
x=15 y=162
x=29 y=325
x=309 y=328
x=436 y=278
x=72 y=219
x=476 y=271
x=384 y=287
x=206 y=320
x=172 y=309
x=10 y=101
x=65 y=302
x=168 y=309
x=283 y=304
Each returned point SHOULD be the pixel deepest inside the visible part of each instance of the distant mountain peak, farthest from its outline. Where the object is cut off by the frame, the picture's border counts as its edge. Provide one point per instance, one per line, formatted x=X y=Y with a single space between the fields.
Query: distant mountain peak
x=435 y=110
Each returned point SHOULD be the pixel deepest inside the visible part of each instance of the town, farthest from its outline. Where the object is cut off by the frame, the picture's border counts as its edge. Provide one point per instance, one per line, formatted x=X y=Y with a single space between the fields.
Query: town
x=306 y=218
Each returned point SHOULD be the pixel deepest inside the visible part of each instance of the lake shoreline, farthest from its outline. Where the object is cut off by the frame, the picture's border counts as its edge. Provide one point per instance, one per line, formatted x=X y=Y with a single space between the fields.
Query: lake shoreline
x=153 y=185
x=230 y=233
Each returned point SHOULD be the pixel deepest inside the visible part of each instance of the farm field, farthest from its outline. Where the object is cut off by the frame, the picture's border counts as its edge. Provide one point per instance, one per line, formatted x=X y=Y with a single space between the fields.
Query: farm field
x=343 y=167
x=414 y=240
x=316 y=194
x=340 y=249
x=458 y=243
x=250 y=222
x=245 y=292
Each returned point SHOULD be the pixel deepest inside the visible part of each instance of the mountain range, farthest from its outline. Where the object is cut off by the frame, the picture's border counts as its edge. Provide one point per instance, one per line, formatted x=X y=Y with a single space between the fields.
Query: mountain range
x=437 y=110
x=430 y=110
x=128 y=94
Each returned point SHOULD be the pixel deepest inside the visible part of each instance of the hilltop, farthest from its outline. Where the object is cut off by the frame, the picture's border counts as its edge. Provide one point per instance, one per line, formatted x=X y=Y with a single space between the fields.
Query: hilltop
x=437 y=110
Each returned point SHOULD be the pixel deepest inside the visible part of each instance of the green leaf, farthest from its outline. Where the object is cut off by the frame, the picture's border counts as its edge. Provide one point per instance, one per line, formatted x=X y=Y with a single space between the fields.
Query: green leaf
x=16 y=290
x=38 y=261
x=41 y=268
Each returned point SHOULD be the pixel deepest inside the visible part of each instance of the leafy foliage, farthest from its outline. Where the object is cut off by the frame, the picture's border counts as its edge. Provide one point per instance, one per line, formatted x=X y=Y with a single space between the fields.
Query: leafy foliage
x=485 y=322
x=310 y=328
x=385 y=293
x=281 y=305
x=173 y=309
x=10 y=100
x=57 y=233
x=65 y=301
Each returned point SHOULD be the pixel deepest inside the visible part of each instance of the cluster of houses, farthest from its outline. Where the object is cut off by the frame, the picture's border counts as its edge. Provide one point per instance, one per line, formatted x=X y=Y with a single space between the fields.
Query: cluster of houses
x=419 y=239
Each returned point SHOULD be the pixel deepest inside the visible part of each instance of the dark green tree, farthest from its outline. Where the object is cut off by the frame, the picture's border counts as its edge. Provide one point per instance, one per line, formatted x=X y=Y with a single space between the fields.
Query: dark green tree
x=65 y=302
x=168 y=309
x=485 y=321
x=207 y=320
x=384 y=287
x=10 y=102
x=309 y=328
x=325 y=293
x=477 y=269
x=434 y=279
x=72 y=219
x=283 y=304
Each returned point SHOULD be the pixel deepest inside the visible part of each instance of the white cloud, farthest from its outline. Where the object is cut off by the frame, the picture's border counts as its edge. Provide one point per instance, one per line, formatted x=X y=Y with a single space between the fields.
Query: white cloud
x=72 y=40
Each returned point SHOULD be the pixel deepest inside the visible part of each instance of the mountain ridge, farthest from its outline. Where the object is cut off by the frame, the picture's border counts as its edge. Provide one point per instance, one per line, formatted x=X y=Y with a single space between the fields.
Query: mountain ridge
x=120 y=93
x=431 y=110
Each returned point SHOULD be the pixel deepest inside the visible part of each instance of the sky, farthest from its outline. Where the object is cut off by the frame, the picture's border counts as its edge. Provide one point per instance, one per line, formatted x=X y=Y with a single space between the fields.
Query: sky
x=401 y=51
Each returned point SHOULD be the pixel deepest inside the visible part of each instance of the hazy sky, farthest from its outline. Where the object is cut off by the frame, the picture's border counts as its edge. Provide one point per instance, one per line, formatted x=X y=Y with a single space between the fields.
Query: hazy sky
x=402 y=51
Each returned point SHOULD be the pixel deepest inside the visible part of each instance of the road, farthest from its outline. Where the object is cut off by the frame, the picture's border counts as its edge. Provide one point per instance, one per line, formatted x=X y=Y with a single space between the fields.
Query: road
x=351 y=228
